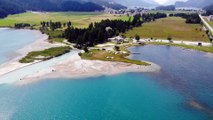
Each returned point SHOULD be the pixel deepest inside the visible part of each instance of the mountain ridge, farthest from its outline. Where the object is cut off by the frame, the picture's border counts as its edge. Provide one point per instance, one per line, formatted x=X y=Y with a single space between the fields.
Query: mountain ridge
x=194 y=3
x=143 y=3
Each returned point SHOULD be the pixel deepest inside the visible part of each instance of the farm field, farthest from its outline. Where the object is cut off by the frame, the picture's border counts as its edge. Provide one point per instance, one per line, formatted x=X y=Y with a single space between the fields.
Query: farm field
x=79 y=19
x=171 y=26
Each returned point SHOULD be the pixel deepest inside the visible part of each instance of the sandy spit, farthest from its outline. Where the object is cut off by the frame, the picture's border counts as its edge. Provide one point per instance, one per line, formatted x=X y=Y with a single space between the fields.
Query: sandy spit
x=75 y=67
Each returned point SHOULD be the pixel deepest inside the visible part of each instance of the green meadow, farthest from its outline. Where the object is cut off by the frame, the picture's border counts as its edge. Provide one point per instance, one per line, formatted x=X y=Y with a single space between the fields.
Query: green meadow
x=78 y=19
x=171 y=26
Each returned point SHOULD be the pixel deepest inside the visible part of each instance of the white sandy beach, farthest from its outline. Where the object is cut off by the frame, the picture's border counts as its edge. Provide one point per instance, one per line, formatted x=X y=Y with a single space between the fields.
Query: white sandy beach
x=75 y=67
x=14 y=63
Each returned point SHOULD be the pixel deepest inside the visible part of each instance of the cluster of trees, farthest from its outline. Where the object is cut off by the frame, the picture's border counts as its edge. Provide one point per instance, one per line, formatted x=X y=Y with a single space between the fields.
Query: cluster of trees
x=190 y=18
x=152 y=17
x=21 y=25
x=99 y=32
x=54 y=25
x=169 y=7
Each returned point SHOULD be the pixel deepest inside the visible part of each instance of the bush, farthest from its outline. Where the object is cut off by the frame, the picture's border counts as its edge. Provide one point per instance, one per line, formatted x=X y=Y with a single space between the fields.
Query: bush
x=137 y=37
x=117 y=48
x=169 y=38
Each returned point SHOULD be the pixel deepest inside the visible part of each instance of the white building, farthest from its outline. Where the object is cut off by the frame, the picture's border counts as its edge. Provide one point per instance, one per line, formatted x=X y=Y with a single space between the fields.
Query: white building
x=117 y=39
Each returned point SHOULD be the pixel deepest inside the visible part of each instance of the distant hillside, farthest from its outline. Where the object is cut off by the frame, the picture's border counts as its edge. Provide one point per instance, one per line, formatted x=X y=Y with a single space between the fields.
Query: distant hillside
x=17 y=6
x=194 y=3
x=109 y=4
x=144 y=3
x=209 y=9
x=9 y=8
x=169 y=7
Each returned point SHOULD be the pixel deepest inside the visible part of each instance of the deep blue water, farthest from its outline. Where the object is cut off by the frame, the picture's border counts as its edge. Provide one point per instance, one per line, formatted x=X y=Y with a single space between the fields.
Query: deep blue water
x=185 y=76
x=12 y=40
x=188 y=71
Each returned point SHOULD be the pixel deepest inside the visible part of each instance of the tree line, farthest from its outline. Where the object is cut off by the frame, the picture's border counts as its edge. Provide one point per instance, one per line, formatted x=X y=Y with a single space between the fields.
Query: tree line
x=152 y=17
x=21 y=25
x=190 y=18
x=54 y=25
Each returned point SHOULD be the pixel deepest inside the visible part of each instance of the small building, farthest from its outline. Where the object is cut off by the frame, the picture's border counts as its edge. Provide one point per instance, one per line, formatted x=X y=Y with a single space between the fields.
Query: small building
x=210 y=17
x=117 y=39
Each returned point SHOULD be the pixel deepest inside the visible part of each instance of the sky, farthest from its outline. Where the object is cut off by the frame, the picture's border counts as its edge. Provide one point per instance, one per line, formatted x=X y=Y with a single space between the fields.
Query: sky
x=165 y=1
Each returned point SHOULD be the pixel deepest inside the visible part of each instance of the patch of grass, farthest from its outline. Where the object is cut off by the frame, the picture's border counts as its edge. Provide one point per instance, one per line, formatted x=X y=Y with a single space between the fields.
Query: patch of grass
x=110 y=56
x=171 y=26
x=78 y=19
x=199 y=48
x=57 y=40
x=45 y=54
x=54 y=34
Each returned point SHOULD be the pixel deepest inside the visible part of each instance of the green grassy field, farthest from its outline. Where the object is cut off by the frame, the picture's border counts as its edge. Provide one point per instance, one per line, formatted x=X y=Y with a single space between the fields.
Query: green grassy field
x=79 y=19
x=171 y=26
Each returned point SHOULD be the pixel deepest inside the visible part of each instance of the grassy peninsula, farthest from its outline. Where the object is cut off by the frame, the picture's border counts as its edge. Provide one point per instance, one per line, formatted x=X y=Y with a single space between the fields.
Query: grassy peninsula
x=110 y=56
x=45 y=54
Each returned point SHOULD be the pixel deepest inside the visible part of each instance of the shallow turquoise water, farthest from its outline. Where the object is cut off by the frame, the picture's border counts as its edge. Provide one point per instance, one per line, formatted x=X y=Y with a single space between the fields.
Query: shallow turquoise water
x=12 y=40
x=131 y=96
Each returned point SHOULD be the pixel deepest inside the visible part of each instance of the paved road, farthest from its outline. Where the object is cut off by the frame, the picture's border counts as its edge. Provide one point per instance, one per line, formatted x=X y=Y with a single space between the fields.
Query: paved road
x=207 y=24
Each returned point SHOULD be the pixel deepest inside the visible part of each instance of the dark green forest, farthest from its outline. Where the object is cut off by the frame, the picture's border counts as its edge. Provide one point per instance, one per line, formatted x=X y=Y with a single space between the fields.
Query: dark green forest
x=18 y=6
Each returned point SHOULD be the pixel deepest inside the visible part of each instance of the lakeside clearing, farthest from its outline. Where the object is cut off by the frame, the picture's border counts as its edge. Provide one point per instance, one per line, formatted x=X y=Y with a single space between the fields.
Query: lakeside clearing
x=78 y=19
x=171 y=26
x=110 y=56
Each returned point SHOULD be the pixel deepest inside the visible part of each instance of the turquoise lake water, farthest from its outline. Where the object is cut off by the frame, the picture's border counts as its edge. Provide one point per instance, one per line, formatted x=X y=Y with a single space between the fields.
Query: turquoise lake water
x=12 y=40
x=130 y=96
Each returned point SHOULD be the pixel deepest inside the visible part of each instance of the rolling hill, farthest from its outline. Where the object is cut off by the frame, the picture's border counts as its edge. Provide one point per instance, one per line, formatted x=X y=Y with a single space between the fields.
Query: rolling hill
x=144 y=3
x=194 y=3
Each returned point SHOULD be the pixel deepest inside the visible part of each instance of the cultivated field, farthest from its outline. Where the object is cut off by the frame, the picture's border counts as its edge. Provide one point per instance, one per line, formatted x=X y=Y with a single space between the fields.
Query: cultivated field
x=171 y=26
x=79 y=19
